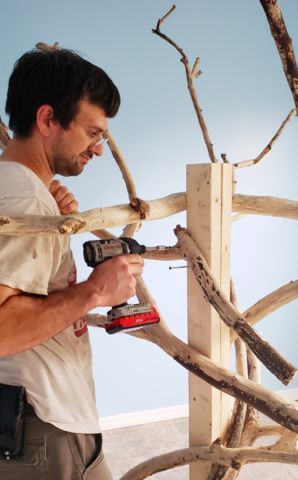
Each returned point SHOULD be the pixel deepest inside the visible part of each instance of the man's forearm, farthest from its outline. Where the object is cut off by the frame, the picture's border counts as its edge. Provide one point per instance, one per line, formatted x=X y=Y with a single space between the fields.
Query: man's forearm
x=26 y=321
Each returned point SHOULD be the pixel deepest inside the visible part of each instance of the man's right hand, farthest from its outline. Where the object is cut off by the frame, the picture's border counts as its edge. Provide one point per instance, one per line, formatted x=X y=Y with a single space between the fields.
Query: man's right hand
x=114 y=281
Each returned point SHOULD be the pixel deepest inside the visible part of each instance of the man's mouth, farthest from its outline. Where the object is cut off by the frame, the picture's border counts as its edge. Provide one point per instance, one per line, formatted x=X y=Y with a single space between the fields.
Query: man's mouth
x=85 y=157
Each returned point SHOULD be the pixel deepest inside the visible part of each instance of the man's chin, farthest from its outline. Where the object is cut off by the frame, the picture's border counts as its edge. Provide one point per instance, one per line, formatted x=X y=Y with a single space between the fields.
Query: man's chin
x=72 y=170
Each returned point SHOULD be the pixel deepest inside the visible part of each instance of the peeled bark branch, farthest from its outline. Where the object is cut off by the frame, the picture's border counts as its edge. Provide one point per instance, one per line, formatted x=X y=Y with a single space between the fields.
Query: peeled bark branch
x=279 y=366
x=273 y=406
x=277 y=299
x=283 y=43
x=91 y=220
x=119 y=215
x=267 y=149
x=191 y=74
x=271 y=206
x=231 y=457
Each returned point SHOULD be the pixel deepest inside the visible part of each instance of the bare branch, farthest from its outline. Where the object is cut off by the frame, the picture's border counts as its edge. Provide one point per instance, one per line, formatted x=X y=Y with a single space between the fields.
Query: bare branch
x=248 y=163
x=196 y=68
x=89 y=221
x=270 y=303
x=119 y=215
x=190 y=75
x=231 y=457
x=164 y=18
x=283 y=43
x=260 y=205
x=279 y=366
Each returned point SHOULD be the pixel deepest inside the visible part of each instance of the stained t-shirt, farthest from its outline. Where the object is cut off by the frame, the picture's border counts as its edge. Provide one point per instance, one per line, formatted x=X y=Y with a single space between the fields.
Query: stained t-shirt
x=57 y=374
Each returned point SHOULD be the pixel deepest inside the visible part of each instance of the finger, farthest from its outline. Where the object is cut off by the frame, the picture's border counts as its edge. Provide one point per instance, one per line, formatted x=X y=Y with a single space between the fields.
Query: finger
x=67 y=200
x=60 y=193
x=54 y=186
x=134 y=258
x=69 y=207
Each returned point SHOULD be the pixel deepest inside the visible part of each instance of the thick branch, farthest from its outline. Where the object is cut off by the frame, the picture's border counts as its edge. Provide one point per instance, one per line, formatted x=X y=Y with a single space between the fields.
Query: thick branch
x=119 y=215
x=272 y=206
x=232 y=457
x=277 y=299
x=191 y=74
x=91 y=220
x=279 y=366
x=283 y=43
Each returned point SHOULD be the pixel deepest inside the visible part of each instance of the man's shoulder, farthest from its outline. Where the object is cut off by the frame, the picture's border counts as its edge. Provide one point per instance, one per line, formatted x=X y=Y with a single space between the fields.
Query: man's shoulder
x=21 y=186
x=16 y=179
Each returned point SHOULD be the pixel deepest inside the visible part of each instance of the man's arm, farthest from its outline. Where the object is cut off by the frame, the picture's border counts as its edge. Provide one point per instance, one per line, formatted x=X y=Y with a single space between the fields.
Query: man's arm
x=26 y=321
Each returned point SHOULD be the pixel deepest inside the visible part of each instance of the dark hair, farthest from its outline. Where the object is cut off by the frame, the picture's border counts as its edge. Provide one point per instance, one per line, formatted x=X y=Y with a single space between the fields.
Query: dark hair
x=60 y=78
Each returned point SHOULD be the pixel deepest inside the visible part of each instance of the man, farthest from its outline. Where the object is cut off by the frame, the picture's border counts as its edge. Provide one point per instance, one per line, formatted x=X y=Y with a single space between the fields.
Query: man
x=59 y=105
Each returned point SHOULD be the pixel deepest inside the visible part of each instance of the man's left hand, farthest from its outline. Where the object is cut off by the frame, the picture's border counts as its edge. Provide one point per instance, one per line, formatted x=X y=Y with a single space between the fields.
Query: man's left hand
x=64 y=198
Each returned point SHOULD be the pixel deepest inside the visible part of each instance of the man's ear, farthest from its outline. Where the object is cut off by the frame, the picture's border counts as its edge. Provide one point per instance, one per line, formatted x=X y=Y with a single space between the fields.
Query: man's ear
x=45 y=119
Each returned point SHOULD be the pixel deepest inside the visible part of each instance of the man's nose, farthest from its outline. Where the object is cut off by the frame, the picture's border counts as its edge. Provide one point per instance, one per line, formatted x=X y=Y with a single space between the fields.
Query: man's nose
x=97 y=149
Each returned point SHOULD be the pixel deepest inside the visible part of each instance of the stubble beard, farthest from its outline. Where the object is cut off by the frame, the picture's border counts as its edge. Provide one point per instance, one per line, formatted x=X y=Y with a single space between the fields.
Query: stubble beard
x=64 y=164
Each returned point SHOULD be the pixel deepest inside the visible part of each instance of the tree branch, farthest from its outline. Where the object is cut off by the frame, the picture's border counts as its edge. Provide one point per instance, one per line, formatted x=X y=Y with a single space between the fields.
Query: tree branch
x=283 y=43
x=268 y=148
x=277 y=299
x=231 y=457
x=191 y=74
x=279 y=366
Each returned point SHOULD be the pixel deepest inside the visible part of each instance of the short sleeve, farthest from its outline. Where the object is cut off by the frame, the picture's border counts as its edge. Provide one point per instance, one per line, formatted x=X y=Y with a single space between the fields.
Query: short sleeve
x=26 y=262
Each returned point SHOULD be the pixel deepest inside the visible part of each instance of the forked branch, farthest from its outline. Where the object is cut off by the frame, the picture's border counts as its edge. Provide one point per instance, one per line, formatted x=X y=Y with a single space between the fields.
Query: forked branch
x=267 y=149
x=191 y=74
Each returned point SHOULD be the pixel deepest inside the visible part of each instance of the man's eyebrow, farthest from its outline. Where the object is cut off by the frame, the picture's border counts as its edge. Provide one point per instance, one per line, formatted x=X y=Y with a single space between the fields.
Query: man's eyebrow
x=98 y=129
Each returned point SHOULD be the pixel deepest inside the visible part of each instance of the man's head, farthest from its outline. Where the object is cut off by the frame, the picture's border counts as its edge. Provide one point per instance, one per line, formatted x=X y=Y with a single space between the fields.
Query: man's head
x=61 y=79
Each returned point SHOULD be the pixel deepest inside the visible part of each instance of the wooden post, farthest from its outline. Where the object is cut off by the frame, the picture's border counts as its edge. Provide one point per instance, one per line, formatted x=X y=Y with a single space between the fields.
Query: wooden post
x=209 y=211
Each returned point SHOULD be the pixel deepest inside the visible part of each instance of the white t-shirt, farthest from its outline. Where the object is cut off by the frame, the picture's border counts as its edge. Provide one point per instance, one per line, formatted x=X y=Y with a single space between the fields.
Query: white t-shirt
x=58 y=373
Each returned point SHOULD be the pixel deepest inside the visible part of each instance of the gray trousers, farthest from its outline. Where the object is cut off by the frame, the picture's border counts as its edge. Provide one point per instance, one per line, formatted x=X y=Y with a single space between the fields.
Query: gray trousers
x=52 y=454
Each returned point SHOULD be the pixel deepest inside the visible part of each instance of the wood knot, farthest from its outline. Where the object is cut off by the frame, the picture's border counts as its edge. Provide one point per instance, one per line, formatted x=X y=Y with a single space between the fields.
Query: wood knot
x=4 y=221
x=140 y=206
x=71 y=225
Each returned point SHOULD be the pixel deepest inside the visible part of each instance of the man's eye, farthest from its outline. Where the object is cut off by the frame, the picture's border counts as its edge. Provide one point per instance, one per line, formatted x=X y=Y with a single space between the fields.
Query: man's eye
x=92 y=134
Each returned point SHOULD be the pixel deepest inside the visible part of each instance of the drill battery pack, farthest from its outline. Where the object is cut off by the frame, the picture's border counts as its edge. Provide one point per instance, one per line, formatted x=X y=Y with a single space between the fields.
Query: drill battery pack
x=131 y=317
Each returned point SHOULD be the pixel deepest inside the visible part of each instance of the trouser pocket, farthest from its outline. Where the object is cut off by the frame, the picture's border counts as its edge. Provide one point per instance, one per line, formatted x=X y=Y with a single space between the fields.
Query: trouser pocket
x=88 y=456
x=31 y=465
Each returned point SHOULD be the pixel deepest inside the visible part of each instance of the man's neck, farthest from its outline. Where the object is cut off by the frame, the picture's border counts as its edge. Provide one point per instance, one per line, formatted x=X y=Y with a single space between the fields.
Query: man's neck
x=31 y=153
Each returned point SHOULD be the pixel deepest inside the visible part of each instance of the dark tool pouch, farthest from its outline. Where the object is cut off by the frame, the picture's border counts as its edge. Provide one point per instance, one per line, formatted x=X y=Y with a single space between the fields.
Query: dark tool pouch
x=12 y=420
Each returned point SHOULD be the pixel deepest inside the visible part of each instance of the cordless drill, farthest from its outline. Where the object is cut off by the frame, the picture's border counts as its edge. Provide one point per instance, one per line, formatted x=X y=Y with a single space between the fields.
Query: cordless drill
x=124 y=316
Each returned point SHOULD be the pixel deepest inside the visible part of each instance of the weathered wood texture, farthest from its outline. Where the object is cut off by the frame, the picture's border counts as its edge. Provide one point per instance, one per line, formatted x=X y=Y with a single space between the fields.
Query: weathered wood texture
x=283 y=43
x=279 y=366
x=119 y=215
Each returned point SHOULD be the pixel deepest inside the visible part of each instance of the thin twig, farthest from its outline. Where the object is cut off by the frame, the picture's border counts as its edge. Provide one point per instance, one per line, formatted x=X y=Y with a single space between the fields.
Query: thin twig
x=191 y=74
x=248 y=163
